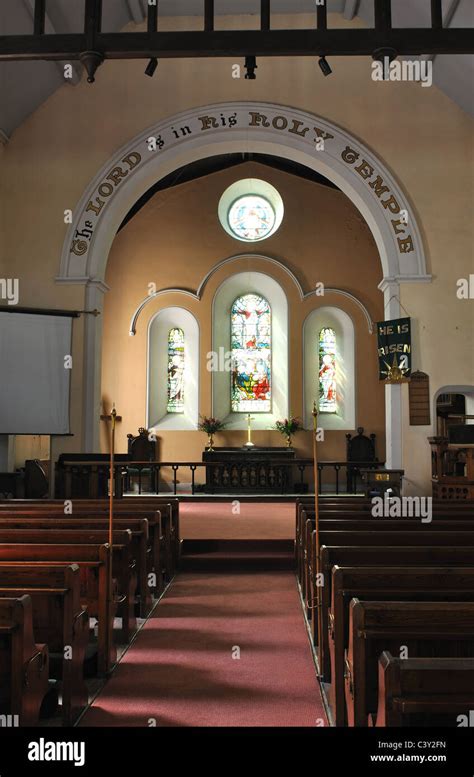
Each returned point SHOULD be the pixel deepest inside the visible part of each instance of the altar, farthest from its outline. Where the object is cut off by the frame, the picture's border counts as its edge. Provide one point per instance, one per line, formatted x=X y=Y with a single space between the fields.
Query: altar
x=249 y=470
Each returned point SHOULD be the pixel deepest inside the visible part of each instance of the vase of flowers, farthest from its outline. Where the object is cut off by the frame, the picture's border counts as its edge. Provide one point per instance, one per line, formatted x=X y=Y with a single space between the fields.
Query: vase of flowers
x=288 y=427
x=210 y=425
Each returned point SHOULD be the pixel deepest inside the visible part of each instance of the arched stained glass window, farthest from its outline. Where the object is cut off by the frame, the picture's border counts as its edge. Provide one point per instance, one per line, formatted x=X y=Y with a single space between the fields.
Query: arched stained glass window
x=251 y=354
x=327 y=371
x=175 y=371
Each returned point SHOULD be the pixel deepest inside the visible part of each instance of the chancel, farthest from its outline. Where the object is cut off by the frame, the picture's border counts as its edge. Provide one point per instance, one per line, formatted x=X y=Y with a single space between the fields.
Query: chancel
x=237 y=392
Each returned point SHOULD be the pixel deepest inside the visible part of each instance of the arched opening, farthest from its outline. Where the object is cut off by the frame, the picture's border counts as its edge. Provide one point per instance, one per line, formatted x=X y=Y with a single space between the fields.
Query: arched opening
x=248 y=305
x=268 y=129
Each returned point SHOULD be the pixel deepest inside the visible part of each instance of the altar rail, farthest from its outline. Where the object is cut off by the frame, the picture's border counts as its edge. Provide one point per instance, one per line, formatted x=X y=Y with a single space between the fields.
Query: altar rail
x=89 y=479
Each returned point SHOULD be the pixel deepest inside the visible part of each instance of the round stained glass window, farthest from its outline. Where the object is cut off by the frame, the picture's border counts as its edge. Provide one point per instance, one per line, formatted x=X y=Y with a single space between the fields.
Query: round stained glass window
x=251 y=217
x=250 y=210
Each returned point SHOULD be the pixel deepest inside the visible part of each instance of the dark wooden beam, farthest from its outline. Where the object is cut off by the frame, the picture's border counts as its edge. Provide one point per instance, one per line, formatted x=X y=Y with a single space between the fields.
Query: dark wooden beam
x=208 y=15
x=240 y=43
x=264 y=14
x=92 y=21
x=39 y=17
x=436 y=14
x=152 y=18
x=322 y=17
x=383 y=15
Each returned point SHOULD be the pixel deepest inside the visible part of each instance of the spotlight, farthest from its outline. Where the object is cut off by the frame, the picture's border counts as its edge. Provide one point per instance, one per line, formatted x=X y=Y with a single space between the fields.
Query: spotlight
x=151 y=67
x=386 y=56
x=325 y=67
x=250 y=66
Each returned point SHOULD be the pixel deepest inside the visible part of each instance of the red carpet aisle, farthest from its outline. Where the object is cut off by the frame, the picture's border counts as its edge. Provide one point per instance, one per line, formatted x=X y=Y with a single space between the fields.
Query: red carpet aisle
x=256 y=520
x=180 y=670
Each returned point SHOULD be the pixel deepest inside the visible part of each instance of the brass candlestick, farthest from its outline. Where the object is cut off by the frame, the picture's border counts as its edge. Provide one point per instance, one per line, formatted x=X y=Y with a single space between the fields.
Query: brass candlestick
x=249 y=443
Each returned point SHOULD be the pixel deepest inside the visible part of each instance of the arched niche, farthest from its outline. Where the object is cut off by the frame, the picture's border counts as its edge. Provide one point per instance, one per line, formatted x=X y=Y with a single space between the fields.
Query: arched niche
x=157 y=370
x=230 y=127
x=341 y=323
x=233 y=287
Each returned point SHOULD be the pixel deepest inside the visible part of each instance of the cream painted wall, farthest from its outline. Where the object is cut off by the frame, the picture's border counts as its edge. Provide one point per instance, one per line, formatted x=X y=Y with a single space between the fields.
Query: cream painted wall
x=424 y=137
x=176 y=239
x=2 y=218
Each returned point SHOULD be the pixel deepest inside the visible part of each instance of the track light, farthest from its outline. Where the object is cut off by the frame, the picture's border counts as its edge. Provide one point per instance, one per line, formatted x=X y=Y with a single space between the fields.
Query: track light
x=151 y=67
x=386 y=56
x=250 y=66
x=325 y=66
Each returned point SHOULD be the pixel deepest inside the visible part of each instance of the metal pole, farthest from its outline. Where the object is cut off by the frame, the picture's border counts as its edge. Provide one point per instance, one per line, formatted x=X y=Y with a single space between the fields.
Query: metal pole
x=316 y=515
x=110 y=595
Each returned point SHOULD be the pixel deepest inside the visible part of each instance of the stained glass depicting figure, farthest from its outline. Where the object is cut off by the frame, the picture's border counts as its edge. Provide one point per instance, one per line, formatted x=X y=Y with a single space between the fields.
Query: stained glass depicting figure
x=251 y=354
x=327 y=371
x=175 y=371
x=251 y=217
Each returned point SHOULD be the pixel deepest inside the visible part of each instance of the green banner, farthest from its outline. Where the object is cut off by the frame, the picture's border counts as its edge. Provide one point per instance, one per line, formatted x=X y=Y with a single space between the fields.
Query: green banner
x=394 y=350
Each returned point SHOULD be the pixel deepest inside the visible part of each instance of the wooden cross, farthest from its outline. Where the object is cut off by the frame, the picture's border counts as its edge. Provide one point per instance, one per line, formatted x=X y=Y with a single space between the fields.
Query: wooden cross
x=112 y=417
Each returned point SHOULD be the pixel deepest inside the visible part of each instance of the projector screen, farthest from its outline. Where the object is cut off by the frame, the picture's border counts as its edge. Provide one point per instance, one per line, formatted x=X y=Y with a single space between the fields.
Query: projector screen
x=34 y=382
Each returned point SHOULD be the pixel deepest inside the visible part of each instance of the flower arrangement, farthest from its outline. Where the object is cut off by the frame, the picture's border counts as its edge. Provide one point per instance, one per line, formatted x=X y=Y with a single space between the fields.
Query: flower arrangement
x=210 y=425
x=288 y=427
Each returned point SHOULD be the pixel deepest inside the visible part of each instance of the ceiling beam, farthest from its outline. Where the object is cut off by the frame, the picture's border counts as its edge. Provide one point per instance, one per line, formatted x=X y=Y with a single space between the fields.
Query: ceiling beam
x=350 y=9
x=208 y=15
x=450 y=11
x=135 y=10
x=240 y=43
x=447 y=19
x=49 y=29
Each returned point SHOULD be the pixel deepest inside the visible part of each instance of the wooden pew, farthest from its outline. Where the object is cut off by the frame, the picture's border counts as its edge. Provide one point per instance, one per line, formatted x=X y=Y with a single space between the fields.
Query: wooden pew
x=94 y=563
x=399 y=539
x=362 y=520
x=427 y=629
x=331 y=501
x=374 y=526
x=123 y=562
x=23 y=664
x=168 y=506
x=376 y=556
x=384 y=584
x=58 y=621
x=140 y=549
x=435 y=690
x=159 y=524
x=347 y=507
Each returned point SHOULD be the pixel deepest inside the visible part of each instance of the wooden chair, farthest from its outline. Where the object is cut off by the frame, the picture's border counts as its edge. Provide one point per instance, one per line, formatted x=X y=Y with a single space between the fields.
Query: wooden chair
x=36 y=479
x=359 y=449
x=141 y=448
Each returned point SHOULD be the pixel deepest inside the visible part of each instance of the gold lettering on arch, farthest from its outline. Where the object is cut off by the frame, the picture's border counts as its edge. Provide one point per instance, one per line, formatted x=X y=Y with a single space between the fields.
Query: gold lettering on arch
x=368 y=173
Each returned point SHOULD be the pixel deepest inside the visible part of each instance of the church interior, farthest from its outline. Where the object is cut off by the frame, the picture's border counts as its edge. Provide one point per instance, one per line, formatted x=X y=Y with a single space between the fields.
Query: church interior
x=237 y=373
